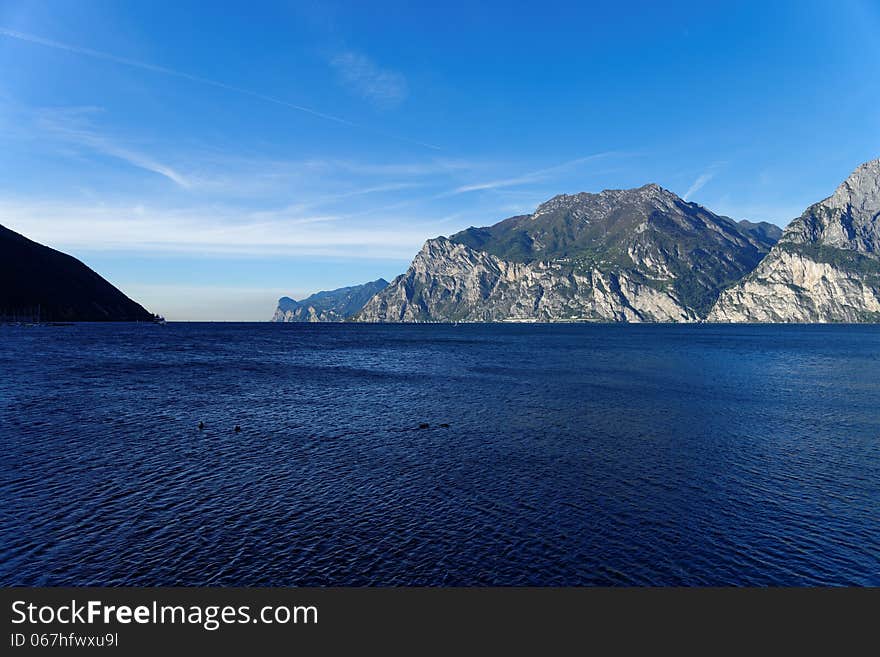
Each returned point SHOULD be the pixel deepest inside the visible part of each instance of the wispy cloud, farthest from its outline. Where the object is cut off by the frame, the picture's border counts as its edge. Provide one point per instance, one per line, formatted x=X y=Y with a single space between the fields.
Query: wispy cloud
x=532 y=176
x=381 y=80
x=698 y=184
x=199 y=168
x=362 y=75
x=71 y=125
x=430 y=167
x=703 y=179
x=208 y=230
x=332 y=199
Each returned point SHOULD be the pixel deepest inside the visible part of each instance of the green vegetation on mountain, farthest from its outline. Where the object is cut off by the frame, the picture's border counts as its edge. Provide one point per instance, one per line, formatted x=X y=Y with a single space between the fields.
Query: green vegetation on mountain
x=620 y=255
x=650 y=233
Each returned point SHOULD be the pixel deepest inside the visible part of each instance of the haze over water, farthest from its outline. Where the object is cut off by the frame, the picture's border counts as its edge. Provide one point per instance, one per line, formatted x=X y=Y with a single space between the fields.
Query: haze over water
x=575 y=454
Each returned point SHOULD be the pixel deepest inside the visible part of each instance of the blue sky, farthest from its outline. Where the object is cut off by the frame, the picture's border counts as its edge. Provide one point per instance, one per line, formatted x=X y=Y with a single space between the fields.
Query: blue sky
x=208 y=161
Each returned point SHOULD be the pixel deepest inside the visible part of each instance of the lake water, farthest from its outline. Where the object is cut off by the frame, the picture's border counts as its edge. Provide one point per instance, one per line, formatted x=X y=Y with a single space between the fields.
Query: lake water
x=574 y=455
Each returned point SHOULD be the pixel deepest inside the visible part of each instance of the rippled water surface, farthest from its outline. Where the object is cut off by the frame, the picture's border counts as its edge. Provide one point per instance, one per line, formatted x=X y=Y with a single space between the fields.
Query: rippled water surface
x=575 y=454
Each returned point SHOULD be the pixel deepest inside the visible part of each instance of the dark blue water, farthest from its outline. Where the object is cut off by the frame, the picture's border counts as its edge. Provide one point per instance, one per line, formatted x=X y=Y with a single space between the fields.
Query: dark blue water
x=614 y=455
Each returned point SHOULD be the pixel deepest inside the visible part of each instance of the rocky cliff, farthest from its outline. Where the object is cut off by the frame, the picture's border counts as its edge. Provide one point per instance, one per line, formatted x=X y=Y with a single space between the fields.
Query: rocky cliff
x=330 y=306
x=37 y=282
x=452 y=282
x=621 y=255
x=825 y=267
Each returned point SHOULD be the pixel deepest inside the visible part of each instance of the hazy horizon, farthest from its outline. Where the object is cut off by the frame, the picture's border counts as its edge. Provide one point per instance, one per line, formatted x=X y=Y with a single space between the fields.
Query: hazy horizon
x=209 y=162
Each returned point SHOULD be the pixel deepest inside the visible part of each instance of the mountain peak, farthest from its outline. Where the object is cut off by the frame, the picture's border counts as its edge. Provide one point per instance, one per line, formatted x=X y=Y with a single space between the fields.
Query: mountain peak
x=860 y=191
x=824 y=268
x=652 y=188
x=607 y=198
x=653 y=191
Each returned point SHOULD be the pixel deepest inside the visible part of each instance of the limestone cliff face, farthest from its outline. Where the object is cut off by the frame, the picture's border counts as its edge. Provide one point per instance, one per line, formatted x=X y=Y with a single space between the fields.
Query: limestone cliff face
x=452 y=282
x=825 y=267
x=304 y=313
x=621 y=255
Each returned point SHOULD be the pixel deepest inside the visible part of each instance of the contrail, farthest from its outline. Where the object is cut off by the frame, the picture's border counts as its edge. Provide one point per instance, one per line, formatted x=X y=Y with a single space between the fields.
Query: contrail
x=532 y=176
x=698 y=184
x=57 y=45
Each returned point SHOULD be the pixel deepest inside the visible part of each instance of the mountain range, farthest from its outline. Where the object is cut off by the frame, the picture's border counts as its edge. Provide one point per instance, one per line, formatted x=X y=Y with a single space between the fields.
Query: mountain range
x=631 y=255
x=330 y=306
x=645 y=254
